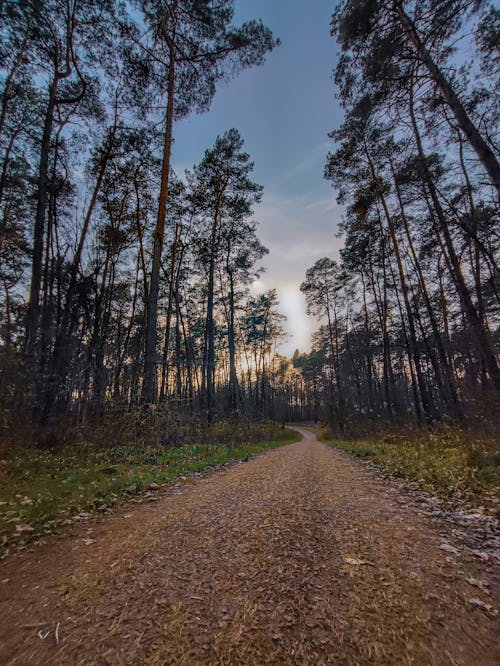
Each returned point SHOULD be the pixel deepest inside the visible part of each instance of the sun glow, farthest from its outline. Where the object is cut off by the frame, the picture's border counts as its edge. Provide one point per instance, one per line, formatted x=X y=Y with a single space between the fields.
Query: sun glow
x=298 y=326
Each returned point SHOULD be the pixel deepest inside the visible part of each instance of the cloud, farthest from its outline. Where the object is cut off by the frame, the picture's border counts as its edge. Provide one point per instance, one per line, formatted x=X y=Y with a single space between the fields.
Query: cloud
x=298 y=230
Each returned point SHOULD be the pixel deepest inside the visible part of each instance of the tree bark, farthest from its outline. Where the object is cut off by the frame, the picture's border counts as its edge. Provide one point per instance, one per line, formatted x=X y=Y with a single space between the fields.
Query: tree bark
x=210 y=324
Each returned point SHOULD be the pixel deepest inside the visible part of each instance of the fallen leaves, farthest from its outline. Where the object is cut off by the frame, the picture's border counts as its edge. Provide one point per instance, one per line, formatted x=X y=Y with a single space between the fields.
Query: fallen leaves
x=488 y=608
x=449 y=549
x=24 y=528
x=354 y=561
x=481 y=584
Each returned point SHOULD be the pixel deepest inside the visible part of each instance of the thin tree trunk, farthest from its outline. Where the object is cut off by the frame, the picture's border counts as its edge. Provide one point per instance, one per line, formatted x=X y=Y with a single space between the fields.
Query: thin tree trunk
x=149 y=384
x=168 y=324
x=481 y=147
x=451 y=392
x=33 y=315
x=210 y=324
x=479 y=331
x=404 y=288
x=233 y=377
x=69 y=320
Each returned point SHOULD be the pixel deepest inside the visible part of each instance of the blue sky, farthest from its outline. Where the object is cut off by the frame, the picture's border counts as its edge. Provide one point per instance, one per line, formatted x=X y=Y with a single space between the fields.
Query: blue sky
x=284 y=111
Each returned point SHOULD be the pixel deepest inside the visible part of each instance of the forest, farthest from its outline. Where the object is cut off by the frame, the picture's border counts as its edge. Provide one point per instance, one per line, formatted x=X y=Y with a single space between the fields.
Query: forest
x=126 y=286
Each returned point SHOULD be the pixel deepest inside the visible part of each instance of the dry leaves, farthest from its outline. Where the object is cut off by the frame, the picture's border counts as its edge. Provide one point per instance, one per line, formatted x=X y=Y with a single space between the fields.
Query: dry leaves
x=354 y=561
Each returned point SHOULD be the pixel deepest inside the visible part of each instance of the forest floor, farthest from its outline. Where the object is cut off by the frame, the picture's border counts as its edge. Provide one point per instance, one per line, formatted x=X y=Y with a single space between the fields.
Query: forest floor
x=298 y=556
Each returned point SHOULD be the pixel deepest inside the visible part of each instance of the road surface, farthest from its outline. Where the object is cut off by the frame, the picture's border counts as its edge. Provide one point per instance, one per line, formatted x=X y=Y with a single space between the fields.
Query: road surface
x=299 y=556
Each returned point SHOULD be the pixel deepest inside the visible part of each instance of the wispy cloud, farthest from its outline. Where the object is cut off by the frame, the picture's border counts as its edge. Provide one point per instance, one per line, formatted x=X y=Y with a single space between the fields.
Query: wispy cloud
x=311 y=163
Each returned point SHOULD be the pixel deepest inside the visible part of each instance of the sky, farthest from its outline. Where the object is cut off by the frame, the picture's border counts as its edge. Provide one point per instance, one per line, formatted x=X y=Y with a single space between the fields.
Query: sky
x=283 y=111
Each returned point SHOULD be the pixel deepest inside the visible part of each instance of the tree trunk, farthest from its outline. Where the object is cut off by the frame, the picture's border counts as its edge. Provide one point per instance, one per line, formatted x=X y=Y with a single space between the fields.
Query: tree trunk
x=33 y=315
x=479 y=331
x=404 y=288
x=450 y=395
x=481 y=147
x=149 y=384
x=233 y=378
x=168 y=324
x=62 y=352
x=210 y=325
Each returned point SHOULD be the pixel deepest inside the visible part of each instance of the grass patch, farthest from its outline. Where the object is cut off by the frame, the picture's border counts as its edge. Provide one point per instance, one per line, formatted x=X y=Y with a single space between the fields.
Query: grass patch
x=40 y=490
x=447 y=461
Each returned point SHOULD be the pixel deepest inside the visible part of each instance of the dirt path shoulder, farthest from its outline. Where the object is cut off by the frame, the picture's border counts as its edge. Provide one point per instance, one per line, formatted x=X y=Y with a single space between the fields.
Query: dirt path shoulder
x=299 y=556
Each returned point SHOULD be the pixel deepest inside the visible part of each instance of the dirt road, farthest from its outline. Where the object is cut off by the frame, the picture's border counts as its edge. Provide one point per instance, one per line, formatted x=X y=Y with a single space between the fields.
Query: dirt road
x=298 y=556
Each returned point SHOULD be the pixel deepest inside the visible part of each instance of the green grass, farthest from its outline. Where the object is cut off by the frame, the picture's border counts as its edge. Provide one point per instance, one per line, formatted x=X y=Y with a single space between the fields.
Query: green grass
x=448 y=462
x=41 y=490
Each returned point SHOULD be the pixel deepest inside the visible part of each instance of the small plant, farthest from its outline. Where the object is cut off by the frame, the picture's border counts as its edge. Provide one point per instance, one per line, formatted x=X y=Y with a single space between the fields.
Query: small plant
x=362 y=450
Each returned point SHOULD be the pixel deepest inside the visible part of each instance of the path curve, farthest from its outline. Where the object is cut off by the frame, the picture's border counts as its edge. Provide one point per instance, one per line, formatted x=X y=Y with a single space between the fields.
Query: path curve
x=299 y=556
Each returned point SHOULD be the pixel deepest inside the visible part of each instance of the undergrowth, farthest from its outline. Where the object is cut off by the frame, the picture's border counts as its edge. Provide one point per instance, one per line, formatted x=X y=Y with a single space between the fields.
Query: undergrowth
x=41 y=489
x=446 y=461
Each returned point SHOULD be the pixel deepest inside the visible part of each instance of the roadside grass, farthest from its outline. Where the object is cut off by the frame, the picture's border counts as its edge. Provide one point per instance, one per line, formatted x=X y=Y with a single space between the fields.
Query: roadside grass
x=40 y=490
x=446 y=461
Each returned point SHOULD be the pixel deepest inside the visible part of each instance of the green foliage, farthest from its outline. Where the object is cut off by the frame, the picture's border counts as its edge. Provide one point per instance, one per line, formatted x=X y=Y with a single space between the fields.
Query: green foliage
x=446 y=461
x=41 y=490
x=360 y=449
